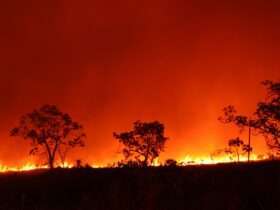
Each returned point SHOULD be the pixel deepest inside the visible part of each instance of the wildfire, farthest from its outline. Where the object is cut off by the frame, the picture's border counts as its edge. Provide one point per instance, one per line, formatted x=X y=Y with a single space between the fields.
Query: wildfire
x=25 y=167
x=30 y=166
x=187 y=160
x=156 y=162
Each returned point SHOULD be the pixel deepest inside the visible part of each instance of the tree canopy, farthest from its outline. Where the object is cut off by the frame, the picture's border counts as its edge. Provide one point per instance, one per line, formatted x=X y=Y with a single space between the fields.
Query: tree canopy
x=268 y=114
x=144 y=143
x=265 y=119
x=49 y=131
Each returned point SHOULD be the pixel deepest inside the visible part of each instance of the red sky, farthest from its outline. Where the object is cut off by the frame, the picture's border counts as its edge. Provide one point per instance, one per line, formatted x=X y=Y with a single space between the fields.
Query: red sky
x=110 y=63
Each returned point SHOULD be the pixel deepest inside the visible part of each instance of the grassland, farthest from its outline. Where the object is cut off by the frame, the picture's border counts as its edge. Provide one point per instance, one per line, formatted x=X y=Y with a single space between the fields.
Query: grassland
x=214 y=187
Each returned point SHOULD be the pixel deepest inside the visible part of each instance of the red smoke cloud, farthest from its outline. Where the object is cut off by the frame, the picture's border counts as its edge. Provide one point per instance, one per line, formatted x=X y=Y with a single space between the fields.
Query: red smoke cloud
x=110 y=63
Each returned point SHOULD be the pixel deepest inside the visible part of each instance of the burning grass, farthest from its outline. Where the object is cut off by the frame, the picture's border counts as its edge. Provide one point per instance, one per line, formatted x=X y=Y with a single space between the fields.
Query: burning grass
x=185 y=161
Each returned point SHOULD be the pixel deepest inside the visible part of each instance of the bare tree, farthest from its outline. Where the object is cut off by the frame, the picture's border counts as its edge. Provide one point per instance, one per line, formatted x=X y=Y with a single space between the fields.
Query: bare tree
x=144 y=143
x=49 y=130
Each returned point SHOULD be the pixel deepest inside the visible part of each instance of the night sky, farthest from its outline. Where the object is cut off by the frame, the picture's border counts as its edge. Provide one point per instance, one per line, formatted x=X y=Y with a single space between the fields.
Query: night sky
x=110 y=63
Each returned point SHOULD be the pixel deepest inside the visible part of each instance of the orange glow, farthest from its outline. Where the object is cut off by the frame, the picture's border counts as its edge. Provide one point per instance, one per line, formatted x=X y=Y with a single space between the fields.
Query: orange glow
x=25 y=167
x=31 y=166
x=189 y=160
x=110 y=63
x=185 y=161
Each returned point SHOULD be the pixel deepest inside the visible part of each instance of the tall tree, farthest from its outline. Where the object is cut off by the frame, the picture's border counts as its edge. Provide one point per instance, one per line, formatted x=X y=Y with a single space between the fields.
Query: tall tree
x=144 y=143
x=49 y=131
x=268 y=114
x=242 y=122
x=266 y=119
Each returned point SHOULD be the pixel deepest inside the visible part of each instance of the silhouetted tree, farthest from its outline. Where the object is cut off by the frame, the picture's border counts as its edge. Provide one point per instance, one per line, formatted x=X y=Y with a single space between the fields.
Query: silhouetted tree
x=273 y=155
x=62 y=153
x=144 y=143
x=268 y=114
x=49 y=130
x=231 y=116
x=241 y=121
x=246 y=148
x=266 y=117
x=235 y=145
x=78 y=163
x=64 y=149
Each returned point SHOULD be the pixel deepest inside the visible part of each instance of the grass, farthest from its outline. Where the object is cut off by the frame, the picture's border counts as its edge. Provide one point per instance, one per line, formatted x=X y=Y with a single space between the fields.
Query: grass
x=223 y=186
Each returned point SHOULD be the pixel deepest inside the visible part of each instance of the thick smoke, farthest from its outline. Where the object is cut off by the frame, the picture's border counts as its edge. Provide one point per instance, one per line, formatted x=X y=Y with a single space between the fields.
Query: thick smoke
x=109 y=63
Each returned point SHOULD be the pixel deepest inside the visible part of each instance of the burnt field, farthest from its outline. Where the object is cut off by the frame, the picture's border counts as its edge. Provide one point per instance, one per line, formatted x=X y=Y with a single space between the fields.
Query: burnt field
x=225 y=187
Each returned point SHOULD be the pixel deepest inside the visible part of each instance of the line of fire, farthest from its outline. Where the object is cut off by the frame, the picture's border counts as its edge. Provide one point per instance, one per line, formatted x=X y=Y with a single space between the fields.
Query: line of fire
x=53 y=134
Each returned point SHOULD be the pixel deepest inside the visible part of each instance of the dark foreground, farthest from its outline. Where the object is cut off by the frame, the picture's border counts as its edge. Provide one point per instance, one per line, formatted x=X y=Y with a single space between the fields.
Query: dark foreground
x=221 y=187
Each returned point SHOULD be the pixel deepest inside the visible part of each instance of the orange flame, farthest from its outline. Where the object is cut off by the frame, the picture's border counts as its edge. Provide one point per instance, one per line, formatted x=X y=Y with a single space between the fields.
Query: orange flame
x=187 y=160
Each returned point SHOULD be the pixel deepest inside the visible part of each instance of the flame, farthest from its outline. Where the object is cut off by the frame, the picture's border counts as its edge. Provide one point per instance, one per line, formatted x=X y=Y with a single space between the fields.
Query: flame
x=156 y=162
x=31 y=166
x=189 y=160
x=25 y=167
x=66 y=165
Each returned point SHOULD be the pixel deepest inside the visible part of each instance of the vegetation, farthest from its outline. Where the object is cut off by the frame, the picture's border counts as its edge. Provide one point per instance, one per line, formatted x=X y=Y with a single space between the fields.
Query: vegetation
x=265 y=120
x=54 y=133
x=217 y=187
x=242 y=122
x=144 y=143
x=50 y=132
x=268 y=114
x=237 y=147
x=170 y=186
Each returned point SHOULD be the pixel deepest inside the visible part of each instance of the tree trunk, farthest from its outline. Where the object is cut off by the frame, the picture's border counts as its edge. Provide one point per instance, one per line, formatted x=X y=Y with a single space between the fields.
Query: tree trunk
x=50 y=156
x=238 y=157
x=146 y=160
x=51 y=162
x=249 y=144
x=147 y=155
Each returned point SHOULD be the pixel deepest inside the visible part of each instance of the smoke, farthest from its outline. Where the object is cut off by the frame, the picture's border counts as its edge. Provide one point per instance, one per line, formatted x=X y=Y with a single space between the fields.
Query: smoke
x=110 y=63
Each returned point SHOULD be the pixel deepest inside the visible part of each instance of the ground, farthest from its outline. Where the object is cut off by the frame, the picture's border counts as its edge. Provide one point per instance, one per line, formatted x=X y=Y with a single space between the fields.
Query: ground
x=219 y=187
